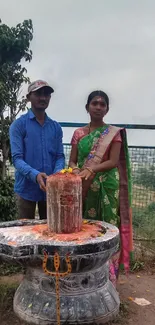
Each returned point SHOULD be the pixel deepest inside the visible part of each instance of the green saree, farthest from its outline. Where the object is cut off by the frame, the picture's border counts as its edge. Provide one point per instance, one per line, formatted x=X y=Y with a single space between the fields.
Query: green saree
x=108 y=196
x=101 y=202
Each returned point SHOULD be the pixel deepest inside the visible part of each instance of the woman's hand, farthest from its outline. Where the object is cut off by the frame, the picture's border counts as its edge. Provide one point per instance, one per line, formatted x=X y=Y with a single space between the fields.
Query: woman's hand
x=87 y=174
x=76 y=171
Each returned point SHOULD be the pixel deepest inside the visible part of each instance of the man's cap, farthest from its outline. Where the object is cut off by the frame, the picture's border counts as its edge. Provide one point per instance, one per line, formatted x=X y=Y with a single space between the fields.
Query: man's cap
x=38 y=84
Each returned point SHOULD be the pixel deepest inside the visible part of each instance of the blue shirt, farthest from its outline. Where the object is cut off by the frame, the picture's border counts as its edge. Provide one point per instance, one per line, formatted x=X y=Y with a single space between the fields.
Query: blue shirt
x=35 y=148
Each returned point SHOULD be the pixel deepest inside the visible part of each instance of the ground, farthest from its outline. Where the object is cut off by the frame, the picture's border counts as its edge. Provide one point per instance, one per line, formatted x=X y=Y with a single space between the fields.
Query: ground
x=137 y=285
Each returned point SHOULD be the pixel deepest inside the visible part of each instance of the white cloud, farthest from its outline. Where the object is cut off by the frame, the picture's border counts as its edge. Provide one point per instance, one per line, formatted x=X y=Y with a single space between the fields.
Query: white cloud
x=81 y=45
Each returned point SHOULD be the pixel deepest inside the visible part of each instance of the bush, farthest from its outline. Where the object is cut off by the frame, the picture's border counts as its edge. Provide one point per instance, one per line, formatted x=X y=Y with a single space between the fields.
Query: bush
x=151 y=207
x=8 y=209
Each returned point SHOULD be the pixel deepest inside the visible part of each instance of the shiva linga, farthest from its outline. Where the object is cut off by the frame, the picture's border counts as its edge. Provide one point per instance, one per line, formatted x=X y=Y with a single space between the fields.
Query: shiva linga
x=66 y=260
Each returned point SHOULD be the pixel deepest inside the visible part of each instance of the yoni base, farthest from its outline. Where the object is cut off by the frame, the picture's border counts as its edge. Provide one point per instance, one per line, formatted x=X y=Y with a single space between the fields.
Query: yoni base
x=85 y=298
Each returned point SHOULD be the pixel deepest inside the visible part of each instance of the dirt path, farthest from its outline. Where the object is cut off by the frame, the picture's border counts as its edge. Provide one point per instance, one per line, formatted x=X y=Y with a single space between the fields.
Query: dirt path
x=141 y=285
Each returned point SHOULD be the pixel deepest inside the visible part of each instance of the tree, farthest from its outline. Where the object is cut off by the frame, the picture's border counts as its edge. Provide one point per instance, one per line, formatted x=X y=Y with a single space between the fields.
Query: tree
x=14 y=49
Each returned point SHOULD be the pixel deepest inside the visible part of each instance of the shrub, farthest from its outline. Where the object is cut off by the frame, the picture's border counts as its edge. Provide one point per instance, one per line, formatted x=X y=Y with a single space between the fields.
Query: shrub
x=8 y=209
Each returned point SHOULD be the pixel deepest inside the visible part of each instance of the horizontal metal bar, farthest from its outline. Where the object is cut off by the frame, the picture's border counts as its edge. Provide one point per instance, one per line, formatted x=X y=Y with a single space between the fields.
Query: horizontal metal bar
x=126 y=126
x=131 y=147
x=141 y=147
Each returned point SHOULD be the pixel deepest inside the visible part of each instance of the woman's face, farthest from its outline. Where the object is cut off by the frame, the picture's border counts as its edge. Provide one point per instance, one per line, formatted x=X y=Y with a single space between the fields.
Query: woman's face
x=97 y=108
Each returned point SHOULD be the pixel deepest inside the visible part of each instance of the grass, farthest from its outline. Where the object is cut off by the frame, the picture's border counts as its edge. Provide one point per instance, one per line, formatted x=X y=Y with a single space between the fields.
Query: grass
x=9 y=269
x=123 y=314
x=6 y=295
x=137 y=266
x=6 y=298
x=143 y=205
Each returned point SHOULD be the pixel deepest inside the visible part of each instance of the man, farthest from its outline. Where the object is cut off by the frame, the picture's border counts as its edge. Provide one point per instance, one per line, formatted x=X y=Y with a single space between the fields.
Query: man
x=37 y=151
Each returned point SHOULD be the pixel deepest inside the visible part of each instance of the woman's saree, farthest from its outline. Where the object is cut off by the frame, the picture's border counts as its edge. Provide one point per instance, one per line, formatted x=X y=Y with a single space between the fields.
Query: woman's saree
x=108 y=196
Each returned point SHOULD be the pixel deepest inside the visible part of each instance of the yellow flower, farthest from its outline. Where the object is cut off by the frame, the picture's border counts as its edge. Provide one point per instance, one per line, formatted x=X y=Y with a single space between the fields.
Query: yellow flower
x=92 y=213
x=85 y=221
x=66 y=170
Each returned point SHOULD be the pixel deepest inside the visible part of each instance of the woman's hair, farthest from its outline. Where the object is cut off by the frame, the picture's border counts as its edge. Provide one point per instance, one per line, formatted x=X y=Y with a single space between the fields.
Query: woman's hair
x=99 y=93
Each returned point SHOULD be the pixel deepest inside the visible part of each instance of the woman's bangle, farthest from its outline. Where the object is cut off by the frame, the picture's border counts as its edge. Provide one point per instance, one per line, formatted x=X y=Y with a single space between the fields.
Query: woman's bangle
x=75 y=168
x=90 y=170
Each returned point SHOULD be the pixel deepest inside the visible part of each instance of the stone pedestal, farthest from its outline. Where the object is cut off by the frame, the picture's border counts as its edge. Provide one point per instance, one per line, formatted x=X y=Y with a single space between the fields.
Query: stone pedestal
x=86 y=294
x=85 y=298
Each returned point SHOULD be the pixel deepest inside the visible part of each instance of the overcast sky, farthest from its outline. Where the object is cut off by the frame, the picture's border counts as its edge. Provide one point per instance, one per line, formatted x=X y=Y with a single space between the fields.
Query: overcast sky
x=83 y=45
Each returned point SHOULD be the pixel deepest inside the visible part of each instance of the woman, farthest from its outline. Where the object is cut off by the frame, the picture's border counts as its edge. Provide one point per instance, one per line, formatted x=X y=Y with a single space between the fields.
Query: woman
x=100 y=156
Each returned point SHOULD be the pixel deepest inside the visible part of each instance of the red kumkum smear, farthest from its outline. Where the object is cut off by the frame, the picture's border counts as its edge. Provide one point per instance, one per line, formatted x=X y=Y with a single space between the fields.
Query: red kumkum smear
x=88 y=231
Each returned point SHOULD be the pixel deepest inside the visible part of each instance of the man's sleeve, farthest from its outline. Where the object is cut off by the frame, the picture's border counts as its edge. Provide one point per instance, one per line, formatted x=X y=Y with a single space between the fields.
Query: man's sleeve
x=17 y=151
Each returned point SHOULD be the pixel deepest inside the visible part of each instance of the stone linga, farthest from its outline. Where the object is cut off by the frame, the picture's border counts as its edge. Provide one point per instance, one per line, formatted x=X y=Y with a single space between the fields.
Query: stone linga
x=64 y=203
x=66 y=261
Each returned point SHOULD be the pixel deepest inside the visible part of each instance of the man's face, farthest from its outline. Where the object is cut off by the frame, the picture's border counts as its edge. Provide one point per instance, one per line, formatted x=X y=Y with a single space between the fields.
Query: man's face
x=40 y=98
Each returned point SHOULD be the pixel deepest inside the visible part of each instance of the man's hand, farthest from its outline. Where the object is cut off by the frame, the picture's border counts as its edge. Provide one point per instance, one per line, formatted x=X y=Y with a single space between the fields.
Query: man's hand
x=41 y=181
